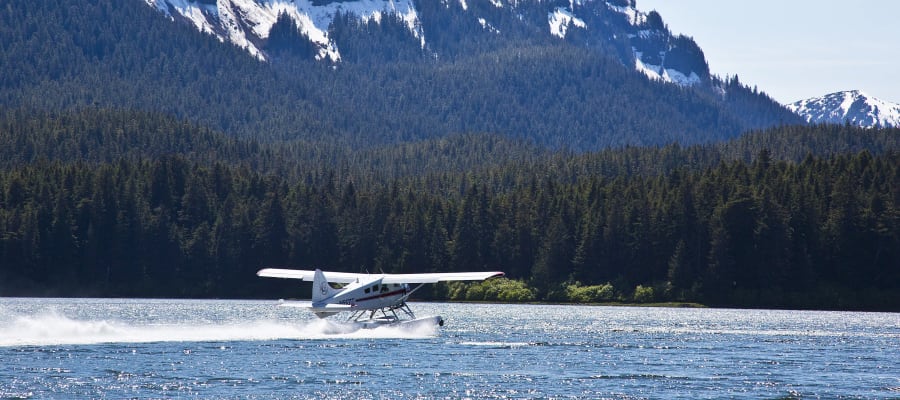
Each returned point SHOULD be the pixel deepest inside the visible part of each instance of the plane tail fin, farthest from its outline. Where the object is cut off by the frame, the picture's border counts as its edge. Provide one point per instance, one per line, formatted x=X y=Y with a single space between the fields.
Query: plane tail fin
x=321 y=290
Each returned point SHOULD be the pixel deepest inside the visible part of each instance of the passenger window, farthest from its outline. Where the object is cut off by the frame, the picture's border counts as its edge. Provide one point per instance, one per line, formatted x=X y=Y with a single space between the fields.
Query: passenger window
x=367 y=290
x=375 y=288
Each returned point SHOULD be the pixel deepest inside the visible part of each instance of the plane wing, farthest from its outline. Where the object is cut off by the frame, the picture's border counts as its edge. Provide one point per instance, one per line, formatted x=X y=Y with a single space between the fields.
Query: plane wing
x=348 y=277
x=439 y=277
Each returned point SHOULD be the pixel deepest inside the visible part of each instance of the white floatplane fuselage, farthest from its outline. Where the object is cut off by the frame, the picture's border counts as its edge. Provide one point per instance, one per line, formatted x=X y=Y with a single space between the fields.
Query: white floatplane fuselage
x=372 y=300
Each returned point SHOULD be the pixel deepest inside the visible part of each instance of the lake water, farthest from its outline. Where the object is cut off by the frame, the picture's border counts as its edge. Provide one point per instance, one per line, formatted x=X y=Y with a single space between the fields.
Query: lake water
x=103 y=348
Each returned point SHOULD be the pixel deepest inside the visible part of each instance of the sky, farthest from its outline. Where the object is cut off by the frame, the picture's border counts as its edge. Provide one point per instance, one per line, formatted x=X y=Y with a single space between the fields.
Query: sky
x=794 y=49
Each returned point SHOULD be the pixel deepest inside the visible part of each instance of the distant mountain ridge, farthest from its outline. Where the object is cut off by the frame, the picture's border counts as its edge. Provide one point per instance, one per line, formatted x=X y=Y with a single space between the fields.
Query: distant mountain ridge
x=645 y=42
x=852 y=106
x=558 y=74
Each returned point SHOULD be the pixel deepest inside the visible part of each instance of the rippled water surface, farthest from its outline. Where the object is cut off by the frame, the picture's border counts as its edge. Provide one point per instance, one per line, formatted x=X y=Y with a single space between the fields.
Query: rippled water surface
x=77 y=348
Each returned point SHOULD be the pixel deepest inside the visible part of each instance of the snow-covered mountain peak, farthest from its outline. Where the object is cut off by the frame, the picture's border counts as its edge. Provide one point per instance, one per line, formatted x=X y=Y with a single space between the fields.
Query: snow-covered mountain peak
x=852 y=106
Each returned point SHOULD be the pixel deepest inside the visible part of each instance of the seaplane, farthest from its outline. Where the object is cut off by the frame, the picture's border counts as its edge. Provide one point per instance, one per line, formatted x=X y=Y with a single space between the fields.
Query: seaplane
x=372 y=300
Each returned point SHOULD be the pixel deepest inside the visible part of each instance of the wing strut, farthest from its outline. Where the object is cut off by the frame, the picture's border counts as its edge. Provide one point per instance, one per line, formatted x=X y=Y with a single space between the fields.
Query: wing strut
x=411 y=292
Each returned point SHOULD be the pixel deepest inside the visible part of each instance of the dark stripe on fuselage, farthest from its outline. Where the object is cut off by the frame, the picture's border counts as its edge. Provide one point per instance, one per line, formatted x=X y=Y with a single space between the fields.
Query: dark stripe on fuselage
x=388 y=294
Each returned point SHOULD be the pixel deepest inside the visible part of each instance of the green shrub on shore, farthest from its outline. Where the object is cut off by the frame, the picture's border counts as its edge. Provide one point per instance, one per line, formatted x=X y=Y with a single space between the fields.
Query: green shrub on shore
x=644 y=294
x=590 y=294
x=500 y=289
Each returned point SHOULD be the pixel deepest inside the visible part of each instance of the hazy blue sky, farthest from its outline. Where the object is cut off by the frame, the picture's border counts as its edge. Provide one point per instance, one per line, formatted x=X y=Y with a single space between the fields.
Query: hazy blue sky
x=795 y=49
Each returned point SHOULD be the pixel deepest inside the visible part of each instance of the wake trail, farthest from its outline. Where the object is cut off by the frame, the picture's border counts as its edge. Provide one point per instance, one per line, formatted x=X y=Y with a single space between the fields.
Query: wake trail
x=53 y=329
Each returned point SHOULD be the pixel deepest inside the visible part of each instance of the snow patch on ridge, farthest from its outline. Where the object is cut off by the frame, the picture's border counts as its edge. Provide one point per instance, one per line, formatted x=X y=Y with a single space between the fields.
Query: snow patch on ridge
x=670 y=75
x=560 y=20
x=634 y=16
x=487 y=26
x=197 y=14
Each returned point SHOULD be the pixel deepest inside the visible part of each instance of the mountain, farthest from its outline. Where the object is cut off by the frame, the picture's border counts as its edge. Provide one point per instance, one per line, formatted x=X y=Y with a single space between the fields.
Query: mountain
x=852 y=106
x=452 y=30
x=644 y=41
x=369 y=73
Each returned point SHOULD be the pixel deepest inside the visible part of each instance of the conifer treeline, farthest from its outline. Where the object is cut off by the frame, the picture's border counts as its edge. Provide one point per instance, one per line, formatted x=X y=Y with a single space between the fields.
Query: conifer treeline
x=100 y=135
x=819 y=233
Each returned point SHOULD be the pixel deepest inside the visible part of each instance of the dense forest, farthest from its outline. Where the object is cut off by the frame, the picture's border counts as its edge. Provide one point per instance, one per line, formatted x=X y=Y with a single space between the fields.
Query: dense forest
x=140 y=157
x=734 y=223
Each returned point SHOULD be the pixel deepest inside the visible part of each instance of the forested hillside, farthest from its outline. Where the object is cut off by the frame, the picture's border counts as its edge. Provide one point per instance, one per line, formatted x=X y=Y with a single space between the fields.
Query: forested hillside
x=98 y=135
x=552 y=92
x=201 y=213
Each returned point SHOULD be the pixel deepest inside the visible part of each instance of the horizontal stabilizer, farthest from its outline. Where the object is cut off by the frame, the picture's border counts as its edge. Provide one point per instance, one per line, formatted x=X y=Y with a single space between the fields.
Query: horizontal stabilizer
x=309 y=305
x=296 y=304
x=286 y=273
